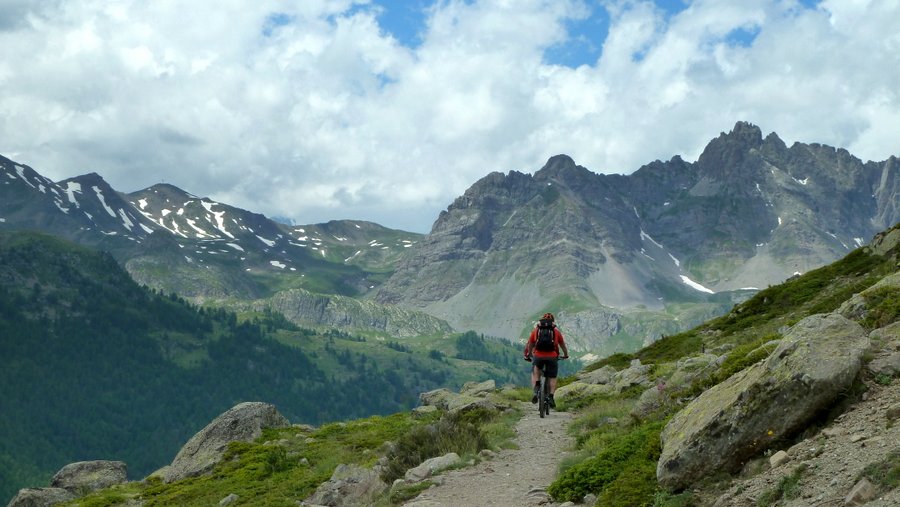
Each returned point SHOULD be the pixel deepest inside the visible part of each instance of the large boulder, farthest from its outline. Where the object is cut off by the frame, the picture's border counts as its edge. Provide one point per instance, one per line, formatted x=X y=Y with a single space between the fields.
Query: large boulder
x=635 y=375
x=350 y=485
x=242 y=423
x=731 y=422
x=86 y=476
x=40 y=497
x=599 y=376
x=478 y=388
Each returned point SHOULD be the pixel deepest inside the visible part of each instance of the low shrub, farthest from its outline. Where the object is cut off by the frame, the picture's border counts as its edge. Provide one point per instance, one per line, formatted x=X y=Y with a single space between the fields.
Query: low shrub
x=452 y=433
x=885 y=473
x=630 y=456
x=884 y=307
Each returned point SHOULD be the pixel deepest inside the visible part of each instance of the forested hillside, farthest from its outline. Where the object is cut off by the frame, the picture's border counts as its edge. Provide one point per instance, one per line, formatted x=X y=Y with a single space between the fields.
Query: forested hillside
x=94 y=366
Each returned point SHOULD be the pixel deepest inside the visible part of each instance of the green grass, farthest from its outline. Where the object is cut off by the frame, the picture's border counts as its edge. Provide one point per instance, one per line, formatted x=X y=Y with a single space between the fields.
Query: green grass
x=884 y=307
x=886 y=473
x=275 y=474
x=621 y=471
x=788 y=488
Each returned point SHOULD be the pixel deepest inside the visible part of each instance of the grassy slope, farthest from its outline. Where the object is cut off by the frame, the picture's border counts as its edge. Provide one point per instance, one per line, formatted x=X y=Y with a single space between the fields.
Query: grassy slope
x=617 y=452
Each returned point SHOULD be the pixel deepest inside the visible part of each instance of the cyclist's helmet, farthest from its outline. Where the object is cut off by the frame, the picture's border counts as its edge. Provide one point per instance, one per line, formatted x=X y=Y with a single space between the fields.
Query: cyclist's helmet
x=548 y=316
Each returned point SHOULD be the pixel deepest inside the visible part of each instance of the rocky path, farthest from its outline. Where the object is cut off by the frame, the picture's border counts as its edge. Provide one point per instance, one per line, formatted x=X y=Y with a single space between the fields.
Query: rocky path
x=513 y=478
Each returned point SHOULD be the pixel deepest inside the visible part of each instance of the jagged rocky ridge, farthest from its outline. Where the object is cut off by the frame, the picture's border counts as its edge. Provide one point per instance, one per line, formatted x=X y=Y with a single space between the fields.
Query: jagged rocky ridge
x=748 y=213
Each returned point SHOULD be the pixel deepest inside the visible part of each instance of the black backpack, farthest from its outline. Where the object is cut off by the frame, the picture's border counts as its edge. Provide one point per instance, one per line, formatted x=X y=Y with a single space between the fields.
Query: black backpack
x=545 y=336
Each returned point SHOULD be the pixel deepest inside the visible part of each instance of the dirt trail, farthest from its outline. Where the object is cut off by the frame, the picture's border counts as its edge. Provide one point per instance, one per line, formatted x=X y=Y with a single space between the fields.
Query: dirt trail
x=514 y=478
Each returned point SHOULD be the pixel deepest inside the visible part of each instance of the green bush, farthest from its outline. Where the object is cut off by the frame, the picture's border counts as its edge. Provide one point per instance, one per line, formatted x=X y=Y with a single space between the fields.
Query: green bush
x=630 y=457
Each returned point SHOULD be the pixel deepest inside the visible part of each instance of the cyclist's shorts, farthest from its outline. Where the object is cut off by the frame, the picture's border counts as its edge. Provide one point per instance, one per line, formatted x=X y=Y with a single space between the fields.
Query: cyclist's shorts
x=552 y=365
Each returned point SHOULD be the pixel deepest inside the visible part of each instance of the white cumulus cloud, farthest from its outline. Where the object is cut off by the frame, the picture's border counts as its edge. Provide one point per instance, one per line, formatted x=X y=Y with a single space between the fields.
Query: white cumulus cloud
x=313 y=110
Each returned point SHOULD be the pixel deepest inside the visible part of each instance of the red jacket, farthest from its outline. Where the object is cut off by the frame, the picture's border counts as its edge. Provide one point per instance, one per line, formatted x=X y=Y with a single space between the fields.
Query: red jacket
x=532 y=340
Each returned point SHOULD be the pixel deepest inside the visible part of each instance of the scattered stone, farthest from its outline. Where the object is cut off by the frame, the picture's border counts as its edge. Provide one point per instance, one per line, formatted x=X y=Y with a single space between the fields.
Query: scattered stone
x=478 y=388
x=423 y=503
x=350 y=485
x=244 y=423
x=856 y=438
x=778 y=459
x=430 y=466
x=538 y=496
x=85 y=476
x=737 y=419
x=228 y=500
x=40 y=497
x=589 y=499
x=304 y=427
x=309 y=440
x=863 y=492
x=567 y=504
x=893 y=412
x=304 y=462
x=487 y=454
x=436 y=398
x=886 y=365
x=832 y=432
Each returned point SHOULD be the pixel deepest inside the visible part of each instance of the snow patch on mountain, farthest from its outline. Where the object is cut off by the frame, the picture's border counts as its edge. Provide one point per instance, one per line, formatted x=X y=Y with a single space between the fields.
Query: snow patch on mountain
x=278 y=265
x=268 y=242
x=102 y=199
x=694 y=285
x=235 y=246
x=72 y=188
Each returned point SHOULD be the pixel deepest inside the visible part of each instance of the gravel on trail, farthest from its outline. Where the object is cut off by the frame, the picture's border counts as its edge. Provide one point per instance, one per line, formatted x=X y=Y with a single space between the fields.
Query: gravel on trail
x=514 y=477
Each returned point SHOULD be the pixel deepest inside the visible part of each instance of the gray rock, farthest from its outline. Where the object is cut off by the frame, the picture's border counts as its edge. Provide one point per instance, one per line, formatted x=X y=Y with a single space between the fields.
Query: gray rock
x=731 y=422
x=778 y=459
x=452 y=402
x=589 y=499
x=599 y=376
x=430 y=466
x=691 y=368
x=886 y=365
x=436 y=398
x=635 y=375
x=579 y=389
x=350 y=485
x=86 y=476
x=863 y=492
x=424 y=410
x=242 y=423
x=230 y=499
x=650 y=401
x=478 y=388
x=893 y=412
x=40 y=497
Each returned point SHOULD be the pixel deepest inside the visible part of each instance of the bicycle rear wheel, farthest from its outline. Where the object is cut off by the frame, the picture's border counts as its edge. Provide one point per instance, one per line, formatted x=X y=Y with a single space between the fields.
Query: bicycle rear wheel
x=542 y=398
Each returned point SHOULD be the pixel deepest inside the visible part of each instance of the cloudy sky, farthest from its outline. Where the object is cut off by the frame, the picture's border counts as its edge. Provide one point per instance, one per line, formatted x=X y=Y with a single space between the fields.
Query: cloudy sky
x=387 y=110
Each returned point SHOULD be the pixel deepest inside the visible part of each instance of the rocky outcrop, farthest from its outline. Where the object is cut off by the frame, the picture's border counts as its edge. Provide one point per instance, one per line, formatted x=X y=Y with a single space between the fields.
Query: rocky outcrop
x=86 y=476
x=40 y=497
x=473 y=395
x=818 y=359
x=242 y=423
x=349 y=486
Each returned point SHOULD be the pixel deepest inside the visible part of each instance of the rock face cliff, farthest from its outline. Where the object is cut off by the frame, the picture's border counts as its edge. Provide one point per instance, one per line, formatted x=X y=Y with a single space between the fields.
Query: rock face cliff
x=597 y=248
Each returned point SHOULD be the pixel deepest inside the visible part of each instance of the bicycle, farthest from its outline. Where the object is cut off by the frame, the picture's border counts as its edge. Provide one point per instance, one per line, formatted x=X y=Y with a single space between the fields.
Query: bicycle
x=544 y=388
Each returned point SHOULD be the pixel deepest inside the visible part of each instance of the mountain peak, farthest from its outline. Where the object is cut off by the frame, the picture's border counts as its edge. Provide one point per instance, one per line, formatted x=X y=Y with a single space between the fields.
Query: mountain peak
x=562 y=168
x=745 y=132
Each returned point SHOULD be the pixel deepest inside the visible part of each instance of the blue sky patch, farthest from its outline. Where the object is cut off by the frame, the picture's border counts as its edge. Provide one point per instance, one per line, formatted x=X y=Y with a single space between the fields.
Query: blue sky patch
x=585 y=41
x=274 y=21
x=405 y=20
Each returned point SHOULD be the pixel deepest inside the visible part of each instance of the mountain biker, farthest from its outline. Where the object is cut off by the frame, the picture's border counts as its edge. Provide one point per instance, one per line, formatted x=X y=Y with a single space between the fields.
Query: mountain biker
x=549 y=358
